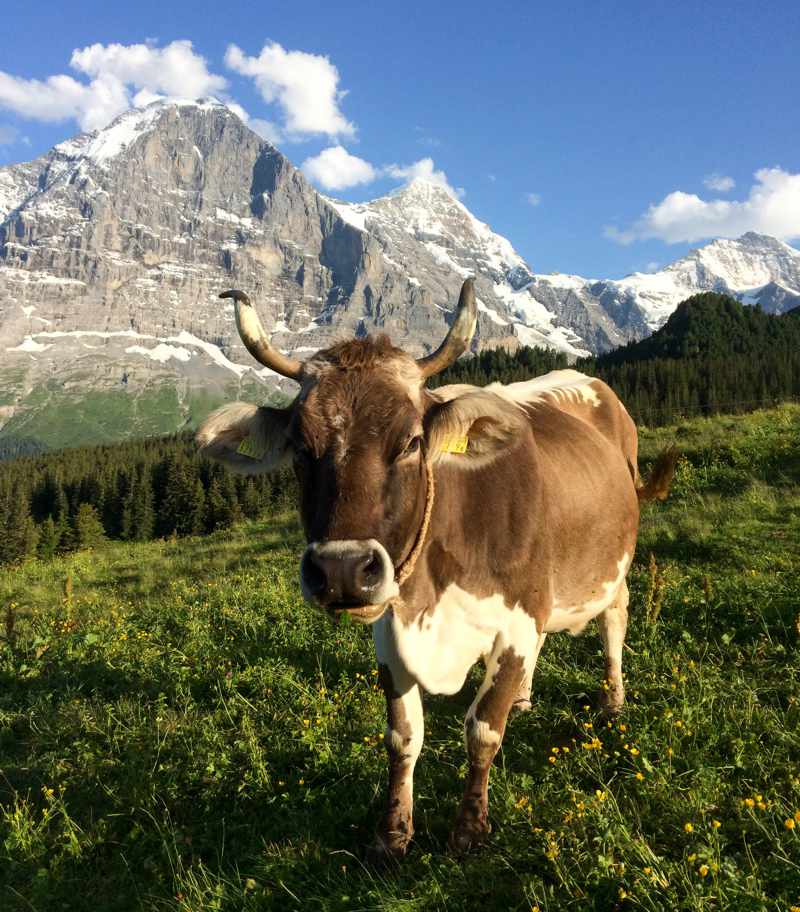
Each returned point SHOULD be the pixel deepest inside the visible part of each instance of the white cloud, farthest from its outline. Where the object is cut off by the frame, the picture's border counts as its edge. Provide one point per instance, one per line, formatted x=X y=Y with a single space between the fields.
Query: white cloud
x=174 y=69
x=120 y=76
x=305 y=87
x=60 y=98
x=423 y=169
x=533 y=199
x=652 y=266
x=719 y=182
x=336 y=169
x=772 y=207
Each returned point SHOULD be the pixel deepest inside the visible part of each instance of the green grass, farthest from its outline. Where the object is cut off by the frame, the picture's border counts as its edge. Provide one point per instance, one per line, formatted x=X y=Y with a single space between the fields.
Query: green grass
x=179 y=731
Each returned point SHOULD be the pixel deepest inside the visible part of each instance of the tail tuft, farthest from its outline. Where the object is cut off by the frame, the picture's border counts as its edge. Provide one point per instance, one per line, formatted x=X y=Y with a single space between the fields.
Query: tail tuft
x=657 y=485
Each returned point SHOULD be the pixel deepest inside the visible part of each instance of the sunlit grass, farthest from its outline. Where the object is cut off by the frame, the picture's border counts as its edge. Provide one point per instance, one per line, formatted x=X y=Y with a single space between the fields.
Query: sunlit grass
x=179 y=731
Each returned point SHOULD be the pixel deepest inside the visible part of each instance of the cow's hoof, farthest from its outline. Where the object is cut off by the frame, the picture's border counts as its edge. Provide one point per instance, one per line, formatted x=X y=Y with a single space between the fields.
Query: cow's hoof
x=469 y=835
x=389 y=848
x=520 y=706
x=611 y=702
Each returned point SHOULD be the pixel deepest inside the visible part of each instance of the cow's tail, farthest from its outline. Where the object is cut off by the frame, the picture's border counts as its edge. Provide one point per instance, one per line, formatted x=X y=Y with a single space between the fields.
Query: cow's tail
x=656 y=487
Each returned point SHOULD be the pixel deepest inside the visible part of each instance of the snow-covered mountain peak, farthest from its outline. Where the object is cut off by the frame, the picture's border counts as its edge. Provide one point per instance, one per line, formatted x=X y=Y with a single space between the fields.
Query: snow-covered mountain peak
x=425 y=189
x=101 y=146
x=741 y=264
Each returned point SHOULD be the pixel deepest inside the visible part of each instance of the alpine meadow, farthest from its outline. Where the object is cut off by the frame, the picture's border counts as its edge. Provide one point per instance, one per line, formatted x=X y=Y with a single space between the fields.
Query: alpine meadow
x=181 y=731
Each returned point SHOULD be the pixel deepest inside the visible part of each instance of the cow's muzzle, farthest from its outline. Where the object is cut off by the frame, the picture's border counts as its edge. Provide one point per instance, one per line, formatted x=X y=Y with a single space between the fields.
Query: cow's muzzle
x=349 y=576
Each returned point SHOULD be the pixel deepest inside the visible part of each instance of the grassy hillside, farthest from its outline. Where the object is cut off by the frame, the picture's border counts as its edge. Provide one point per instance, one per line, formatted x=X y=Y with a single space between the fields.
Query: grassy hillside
x=179 y=731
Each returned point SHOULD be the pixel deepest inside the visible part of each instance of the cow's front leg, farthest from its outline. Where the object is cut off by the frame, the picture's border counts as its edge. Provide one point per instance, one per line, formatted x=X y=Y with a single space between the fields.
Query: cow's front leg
x=484 y=725
x=403 y=741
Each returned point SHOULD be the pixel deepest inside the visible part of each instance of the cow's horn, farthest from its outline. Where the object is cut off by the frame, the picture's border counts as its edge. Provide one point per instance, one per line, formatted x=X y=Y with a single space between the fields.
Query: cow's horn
x=256 y=340
x=457 y=341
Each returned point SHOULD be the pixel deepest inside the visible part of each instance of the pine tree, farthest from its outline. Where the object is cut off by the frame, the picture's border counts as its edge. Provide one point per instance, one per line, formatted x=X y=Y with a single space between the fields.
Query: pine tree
x=87 y=530
x=218 y=511
x=19 y=537
x=197 y=515
x=49 y=539
x=143 y=509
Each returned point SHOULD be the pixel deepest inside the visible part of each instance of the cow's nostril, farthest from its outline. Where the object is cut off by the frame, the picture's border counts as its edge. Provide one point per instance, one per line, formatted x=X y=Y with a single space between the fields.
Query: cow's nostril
x=373 y=571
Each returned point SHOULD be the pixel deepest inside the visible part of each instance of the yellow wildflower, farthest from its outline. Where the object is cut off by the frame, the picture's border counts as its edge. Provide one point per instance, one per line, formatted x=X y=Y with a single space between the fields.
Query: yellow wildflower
x=716 y=824
x=703 y=870
x=789 y=823
x=688 y=828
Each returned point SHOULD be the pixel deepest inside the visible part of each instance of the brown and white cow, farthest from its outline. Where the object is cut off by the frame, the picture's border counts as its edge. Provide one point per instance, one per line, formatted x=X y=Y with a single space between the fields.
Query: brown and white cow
x=462 y=523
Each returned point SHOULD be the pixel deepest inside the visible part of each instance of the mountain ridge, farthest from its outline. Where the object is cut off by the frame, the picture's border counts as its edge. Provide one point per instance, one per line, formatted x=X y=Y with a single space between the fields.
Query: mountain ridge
x=115 y=244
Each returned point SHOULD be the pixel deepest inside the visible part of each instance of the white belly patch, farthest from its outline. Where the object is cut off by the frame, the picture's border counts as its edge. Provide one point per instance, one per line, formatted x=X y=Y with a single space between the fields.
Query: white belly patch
x=441 y=646
x=573 y=618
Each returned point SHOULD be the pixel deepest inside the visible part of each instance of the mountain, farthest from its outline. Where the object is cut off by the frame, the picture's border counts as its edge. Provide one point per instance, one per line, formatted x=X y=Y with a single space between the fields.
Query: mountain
x=115 y=244
x=755 y=268
x=708 y=326
x=430 y=236
x=714 y=354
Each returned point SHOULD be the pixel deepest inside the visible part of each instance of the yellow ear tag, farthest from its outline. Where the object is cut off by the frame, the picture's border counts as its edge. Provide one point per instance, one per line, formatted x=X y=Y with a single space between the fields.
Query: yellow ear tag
x=455 y=445
x=248 y=447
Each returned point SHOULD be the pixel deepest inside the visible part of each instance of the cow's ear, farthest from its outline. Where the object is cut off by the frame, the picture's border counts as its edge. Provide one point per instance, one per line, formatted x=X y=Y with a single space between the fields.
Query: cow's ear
x=246 y=438
x=474 y=427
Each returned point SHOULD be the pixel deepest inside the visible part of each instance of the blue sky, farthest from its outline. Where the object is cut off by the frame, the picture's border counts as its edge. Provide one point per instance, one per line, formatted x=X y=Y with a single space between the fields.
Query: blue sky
x=599 y=138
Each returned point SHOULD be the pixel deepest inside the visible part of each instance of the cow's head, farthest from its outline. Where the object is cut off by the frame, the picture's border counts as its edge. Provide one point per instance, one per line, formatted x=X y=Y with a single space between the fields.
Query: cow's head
x=362 y=435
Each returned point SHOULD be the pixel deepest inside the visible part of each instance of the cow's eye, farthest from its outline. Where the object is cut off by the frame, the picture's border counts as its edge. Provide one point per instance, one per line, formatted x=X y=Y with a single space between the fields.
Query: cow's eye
x=411 y=447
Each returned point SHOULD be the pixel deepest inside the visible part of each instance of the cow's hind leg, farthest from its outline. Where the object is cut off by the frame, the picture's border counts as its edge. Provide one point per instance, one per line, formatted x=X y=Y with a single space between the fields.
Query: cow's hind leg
x=613 y=623
x=484 y=726
x=522 y=701
x=403 y=742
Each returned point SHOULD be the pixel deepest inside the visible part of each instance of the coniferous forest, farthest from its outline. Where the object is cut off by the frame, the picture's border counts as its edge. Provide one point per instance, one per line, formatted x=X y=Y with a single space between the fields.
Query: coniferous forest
x=133 y=491
x=713 y=355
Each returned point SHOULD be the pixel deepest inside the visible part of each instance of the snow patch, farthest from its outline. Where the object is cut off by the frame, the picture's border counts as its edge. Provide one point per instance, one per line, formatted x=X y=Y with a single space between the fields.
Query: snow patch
x=213 y=351
x=493 y=315
x=354 y=214
x=29 y=345
x=162 y=352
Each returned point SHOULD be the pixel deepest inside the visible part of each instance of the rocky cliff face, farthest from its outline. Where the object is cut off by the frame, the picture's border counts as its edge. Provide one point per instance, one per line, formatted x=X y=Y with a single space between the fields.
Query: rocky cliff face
x=115 y=245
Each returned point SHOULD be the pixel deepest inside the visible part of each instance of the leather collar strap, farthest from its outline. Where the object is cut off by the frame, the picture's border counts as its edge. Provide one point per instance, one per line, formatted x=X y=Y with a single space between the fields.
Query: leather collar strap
x=405 y=570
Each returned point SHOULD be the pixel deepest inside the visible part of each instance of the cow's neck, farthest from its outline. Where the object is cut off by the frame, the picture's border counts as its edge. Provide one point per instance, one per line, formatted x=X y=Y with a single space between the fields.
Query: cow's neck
x=489 y=517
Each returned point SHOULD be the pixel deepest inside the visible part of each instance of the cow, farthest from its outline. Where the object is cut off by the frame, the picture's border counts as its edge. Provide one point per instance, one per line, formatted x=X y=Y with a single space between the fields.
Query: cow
x=462 y=523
